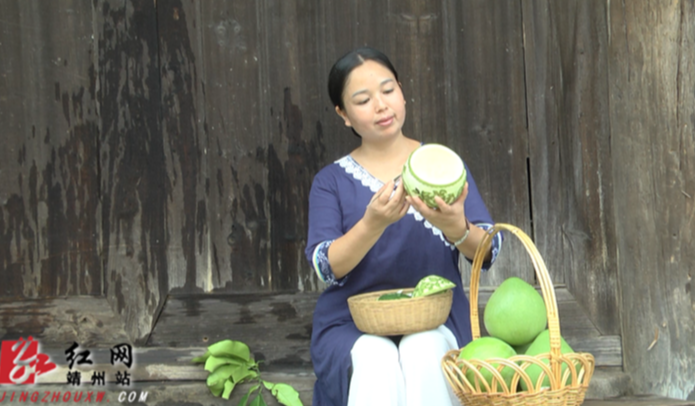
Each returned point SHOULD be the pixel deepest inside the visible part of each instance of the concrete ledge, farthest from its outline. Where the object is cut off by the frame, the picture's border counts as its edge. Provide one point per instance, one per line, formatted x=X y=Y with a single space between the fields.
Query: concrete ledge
x=606 y=384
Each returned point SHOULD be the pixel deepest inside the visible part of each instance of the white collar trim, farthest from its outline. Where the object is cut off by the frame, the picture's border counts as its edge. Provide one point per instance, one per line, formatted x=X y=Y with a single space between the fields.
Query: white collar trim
x=353 y=168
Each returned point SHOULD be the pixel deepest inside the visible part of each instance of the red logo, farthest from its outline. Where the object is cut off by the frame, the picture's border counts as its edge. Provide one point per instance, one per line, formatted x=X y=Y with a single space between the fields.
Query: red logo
x=21 y=362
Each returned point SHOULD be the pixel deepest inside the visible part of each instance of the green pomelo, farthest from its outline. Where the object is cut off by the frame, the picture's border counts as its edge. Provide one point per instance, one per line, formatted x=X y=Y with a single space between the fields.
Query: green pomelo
x=521 y=349
x=541 y=345
x=485 y=348
x=434 y=170
x=437 y=165
x=515 y=312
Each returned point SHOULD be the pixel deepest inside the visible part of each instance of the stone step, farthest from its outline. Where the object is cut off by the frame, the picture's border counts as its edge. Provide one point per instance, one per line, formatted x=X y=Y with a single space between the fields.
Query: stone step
x=608 y=383
x=163 y=372
x=187 y=393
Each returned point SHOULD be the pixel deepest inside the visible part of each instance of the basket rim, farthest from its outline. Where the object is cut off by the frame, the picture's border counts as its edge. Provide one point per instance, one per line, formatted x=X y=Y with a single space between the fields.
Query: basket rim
x=363 y=297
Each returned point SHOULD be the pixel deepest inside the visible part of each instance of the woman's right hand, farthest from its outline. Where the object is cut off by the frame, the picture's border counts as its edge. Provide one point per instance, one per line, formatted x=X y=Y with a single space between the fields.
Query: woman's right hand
x=386 y=208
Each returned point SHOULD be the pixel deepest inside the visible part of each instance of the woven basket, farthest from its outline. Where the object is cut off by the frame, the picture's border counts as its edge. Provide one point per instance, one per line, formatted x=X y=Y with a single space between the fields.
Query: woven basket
x=398 y=317
x=567 y=387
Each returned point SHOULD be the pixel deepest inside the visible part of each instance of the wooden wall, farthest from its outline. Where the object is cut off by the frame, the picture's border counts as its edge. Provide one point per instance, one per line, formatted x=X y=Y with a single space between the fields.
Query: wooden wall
x=49 y=160
x=652 y=100
x=160 y=147
x=569 y=152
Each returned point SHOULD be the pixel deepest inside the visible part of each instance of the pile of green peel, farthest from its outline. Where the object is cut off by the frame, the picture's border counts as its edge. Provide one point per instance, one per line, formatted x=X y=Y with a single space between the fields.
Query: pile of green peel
x=429 y=285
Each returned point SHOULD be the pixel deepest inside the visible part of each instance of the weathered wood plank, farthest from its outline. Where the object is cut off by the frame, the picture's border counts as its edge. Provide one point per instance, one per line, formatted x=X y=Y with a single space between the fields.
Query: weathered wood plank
x=608 y=383
x=278 y=326
x=486 y=114
x=646 y=400
x=237 y=172
x=134 y=185
x=197 y=394
x=156 y=393
x=293 y=84
x=171 y=367
x=420 y=59
x=652 y=74
x=185 y=146
x=569 y=148
x=607 y=350
x=87 y=320
x=49 y=207
x=158 y=364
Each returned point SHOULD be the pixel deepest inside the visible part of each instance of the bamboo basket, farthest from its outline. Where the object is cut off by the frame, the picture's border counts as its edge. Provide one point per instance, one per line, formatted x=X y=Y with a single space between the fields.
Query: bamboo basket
x=399 y=317
x=567 y=388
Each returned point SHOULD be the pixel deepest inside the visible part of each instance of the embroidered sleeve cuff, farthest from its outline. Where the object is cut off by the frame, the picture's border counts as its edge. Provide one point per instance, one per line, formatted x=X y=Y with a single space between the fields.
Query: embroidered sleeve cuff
x=496 y=246
x=322 y=267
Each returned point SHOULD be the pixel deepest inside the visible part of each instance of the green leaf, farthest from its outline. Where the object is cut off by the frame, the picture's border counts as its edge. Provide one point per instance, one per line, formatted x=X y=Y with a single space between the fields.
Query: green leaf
x=242 y=372
x=245 y=398
x=215 y=385
x=286 y=394
x=230 y=348
x=258 y=401
x=221 y=374
x=202 y=358
x=214 y=362
x=228 y=388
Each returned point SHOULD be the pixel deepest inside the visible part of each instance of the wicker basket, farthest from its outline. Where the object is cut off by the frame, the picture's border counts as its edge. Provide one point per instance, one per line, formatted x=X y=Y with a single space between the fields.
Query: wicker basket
x=567 y=387
x=398 y=317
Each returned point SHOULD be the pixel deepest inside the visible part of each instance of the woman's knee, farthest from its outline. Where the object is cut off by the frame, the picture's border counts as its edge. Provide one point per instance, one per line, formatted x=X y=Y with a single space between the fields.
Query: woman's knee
x=435 y=341
x=373 y=351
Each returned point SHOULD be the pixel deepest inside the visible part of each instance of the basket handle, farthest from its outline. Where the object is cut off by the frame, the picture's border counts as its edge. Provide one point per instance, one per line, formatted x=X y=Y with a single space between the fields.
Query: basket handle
x=547 y=289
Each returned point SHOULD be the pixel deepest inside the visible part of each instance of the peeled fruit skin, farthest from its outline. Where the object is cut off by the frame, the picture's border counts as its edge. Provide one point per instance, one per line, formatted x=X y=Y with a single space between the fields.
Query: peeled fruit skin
x=515 y=312
x=541 y=345
x=483 y=349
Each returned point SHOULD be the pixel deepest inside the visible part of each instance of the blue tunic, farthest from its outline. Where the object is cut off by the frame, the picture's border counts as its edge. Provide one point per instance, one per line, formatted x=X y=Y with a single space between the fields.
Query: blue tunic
x=408 y=250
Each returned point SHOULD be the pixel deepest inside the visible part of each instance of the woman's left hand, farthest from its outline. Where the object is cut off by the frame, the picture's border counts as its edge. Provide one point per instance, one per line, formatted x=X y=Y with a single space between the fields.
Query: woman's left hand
x=450 y=219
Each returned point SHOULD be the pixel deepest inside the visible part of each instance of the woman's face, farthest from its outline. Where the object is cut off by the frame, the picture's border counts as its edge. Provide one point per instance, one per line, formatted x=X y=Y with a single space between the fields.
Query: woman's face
x=374 y=103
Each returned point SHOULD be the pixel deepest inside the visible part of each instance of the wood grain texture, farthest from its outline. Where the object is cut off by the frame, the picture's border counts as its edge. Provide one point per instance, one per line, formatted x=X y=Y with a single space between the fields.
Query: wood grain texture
x=87 y=320
x=652 y=78
x=134 y=185
x=277 y=326
x=186 y=146
x=50 y=218
x=482 y=96
x=158 y=147
x=237 y=172
x=197 y=394
x=569 y=150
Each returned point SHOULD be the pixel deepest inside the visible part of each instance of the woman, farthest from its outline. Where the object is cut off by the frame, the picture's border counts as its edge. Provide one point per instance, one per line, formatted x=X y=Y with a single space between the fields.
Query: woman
x=366 y=234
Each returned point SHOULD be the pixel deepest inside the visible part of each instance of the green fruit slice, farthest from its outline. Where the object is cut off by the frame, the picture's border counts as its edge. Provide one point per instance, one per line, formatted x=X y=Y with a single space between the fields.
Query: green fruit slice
x=432 y=284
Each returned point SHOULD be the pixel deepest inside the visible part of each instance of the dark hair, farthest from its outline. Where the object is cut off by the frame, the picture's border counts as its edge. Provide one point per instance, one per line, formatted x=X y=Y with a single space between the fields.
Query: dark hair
x=346 y=64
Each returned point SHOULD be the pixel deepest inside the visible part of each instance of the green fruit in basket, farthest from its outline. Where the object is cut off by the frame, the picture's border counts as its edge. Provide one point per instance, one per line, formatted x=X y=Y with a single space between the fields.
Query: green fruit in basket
x=394 y=296
x=515 y=312
x=541 y=345
x=521 y=349
x=432 y=284
x=486 y=348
